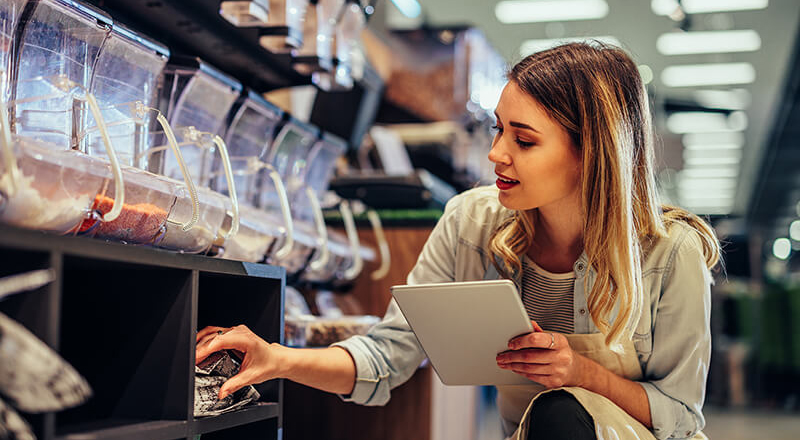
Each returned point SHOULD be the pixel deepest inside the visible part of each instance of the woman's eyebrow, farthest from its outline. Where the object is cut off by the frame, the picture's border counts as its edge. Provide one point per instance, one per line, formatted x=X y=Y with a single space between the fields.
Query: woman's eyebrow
x=521 y=125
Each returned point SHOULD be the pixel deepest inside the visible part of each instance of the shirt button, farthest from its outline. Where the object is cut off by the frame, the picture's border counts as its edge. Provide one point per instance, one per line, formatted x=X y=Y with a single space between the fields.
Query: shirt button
x=688 y=433
x=583 y=311
x=580 y=267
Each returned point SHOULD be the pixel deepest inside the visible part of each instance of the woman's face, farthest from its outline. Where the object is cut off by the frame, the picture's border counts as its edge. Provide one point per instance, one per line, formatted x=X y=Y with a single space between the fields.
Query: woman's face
x=535 y=160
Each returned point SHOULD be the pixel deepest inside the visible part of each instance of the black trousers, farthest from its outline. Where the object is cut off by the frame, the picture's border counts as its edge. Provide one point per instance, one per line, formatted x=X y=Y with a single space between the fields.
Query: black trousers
x=559 y=416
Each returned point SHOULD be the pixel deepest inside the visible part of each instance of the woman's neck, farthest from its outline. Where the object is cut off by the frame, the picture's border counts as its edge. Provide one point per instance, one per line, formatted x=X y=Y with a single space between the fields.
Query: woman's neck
x=558 y=241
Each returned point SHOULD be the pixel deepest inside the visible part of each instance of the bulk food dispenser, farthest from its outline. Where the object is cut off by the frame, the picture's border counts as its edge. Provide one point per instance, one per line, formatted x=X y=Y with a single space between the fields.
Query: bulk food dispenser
x=284 y=30
x=124 y=82
x=245 y=13
x=197 y=98
x=288 y=155
x=349 y=60
x=252 y=126
x=47 y=184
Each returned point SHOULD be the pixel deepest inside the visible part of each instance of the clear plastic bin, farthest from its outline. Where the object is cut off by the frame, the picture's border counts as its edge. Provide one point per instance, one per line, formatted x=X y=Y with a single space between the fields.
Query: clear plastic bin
x=290 y=148
x=198 y=239
x=9 y=15
x=318 y=37
x=196 y=95
x=125 y=76
x=284 y=32
x=54 y=190
x=61 y=38
x=315 y=331
x=258 y=232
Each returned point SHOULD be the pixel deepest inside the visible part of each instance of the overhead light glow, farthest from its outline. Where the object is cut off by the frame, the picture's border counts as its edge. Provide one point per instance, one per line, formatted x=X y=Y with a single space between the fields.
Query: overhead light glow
x=668 y=7
x=685 y=43
x=794 y=230
x=737 y=99
x=704 y=184
x=722 y=154
x=782 y=248
x=706 y=122
x=646 y=73
x=694 y=75
x=702 y=161
x=532 y=46
x=409 y=8
x=698 y=140
x=536 y=11
x=706 y=172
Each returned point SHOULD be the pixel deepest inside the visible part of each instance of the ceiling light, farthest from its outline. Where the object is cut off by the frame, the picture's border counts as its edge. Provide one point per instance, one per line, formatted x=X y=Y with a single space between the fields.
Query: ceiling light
x=700 y=161
x=706 y=122
x=794 y=230
x=714 y=148
x=782 y=248
x=668 y=7
x=532 y=46
x=683 y=43
x=698 y=140
x=701 y=153
x=737 y=99
x=692 y=75
x=646 y=73
x=409 y=8
x=705 y=172
x=534 y=11
x=703 y=184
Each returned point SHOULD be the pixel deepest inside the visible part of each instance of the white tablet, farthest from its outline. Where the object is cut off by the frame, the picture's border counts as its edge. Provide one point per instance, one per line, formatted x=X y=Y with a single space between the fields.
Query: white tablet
x=462 y=326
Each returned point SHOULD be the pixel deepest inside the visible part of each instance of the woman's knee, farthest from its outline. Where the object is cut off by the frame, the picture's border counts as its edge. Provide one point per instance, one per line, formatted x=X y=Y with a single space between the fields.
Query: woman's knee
x=558 y=415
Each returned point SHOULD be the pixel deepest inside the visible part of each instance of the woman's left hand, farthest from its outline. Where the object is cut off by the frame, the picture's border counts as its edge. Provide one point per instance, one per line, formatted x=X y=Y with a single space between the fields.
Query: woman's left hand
x=545 y=358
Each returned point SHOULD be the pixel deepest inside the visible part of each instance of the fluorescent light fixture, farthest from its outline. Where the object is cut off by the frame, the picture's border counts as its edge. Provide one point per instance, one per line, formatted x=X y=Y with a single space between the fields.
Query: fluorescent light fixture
x=693 y=194
x=721 y=153
x=737 y=99
x=702 y=161
x=706 y=172
x=685 y=43
x=794 y=230
x=698 y=140
x=409 y=8
x=782 y=248
x=535 y=11
x=694 y=75
x=713 y=148
x=532 y=46
x=706 y=122
x=667 y=7
x=646 y=73
x=704 y=184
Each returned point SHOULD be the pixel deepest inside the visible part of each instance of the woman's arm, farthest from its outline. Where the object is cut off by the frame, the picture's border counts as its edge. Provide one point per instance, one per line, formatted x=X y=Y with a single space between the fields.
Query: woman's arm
x=331 y=369
x=556 y=366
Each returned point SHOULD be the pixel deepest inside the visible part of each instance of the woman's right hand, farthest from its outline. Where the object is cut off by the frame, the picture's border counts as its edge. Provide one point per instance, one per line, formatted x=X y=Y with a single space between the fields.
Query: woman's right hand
x=259 y=361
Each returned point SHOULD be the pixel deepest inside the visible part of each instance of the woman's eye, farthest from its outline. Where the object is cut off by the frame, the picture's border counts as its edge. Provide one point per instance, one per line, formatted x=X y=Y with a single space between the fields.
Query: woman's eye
x=497 y=128
x=524 y=144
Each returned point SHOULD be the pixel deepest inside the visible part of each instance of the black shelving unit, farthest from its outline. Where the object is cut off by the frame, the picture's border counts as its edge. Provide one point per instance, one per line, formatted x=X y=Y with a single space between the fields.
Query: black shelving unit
x=126 y=317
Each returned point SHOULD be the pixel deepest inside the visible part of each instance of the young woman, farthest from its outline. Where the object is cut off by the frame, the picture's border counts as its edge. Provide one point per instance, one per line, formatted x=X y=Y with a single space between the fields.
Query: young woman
x=618 y=284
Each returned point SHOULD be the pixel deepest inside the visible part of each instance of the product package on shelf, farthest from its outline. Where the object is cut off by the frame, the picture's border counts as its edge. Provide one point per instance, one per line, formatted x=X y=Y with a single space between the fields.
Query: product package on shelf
x=245 y=13
x=209 y=376
x=316 y=331
x=441 y=75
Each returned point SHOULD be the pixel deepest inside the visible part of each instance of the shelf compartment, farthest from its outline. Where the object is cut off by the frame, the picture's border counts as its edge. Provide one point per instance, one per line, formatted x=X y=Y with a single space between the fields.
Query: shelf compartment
x=35 y=309
x=249 y=414
x=127 y=329
x=117 y=429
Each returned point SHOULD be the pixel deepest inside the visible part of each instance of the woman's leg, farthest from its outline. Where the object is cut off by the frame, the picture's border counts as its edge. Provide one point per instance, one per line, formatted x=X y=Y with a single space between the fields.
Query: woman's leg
x=557 y=415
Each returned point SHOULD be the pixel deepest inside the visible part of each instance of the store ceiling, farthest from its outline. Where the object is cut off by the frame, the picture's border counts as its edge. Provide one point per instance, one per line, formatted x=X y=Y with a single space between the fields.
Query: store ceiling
x=637 y=27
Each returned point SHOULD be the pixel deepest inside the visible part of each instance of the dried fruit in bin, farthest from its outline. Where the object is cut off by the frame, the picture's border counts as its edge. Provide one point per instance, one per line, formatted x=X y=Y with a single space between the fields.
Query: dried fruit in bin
x=314 y=331
x=137 y=223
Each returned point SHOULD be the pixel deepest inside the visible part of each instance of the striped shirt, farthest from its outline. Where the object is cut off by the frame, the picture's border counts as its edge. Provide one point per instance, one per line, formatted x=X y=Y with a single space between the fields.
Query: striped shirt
x=548 y=297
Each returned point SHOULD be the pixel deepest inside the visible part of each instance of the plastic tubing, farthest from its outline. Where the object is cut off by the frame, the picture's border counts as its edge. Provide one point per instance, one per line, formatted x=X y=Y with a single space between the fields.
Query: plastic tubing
x=319 y=220
x=187 y=178
x=9 y=159
x=383 y=246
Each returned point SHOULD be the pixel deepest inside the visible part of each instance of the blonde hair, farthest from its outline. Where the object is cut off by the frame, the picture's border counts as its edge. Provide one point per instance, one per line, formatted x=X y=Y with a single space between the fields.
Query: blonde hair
x=595 y=92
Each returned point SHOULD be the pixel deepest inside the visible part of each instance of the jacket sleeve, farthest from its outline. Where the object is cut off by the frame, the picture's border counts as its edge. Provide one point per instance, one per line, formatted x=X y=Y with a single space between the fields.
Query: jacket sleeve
x=675 y=375
x=390 y=354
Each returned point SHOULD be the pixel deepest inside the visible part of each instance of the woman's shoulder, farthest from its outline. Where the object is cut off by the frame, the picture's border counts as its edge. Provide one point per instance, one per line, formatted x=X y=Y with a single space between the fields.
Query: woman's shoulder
x=661 y=252
x=477 y=211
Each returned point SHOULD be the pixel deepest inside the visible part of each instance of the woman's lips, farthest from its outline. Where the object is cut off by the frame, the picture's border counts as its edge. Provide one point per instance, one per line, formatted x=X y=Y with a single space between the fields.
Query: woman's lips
x=506 y=184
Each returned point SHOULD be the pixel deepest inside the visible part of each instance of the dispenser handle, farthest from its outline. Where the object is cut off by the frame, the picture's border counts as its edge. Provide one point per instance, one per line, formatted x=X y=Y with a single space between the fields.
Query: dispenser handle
x=352 y=236
x=319 y=220
x=9 y=159
x=288 y=244
x=116 y=170
x=226 y=164
x=383 y=246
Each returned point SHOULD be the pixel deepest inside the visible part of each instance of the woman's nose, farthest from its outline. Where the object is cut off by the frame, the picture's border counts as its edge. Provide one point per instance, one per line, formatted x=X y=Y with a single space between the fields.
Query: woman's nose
x=498 y=156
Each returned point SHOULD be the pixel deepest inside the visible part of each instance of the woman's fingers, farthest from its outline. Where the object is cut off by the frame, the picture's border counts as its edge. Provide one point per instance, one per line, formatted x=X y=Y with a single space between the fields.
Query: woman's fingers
x=210 y=331
x=235 y=383
x=232 y=340
x=536 y=326
x=528 y=355
x=547 y=340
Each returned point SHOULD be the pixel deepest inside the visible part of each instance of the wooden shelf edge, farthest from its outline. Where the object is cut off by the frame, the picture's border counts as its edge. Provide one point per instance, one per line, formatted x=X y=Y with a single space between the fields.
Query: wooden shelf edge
x=249 y=414
x=151 y=430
